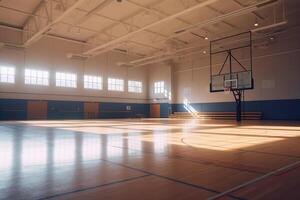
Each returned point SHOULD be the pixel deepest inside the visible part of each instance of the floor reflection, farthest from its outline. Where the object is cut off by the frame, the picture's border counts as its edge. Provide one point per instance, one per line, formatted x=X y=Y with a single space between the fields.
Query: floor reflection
x=6 y=153
x=34 y=151
x=64 y=149
x=114 y=146
x=160 y=142
x=91 y=148
x=50 y=156
x=56 y=158
x=135 y=142
x=43 y=147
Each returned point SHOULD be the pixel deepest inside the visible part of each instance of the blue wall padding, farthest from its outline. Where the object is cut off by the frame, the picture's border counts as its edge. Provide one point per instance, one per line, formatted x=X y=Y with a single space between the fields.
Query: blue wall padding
x=13 y=109
x=119 y=110
x=271 y=109
x=164 y=110
x=65 y=110
x=276 y=109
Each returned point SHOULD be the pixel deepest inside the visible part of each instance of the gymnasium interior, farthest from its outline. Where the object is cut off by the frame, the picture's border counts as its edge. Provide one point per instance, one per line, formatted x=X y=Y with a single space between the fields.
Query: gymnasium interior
x=150 y=99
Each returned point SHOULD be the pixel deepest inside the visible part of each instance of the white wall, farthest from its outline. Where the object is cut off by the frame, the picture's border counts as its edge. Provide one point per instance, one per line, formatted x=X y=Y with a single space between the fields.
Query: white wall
x=187 y=78
x=50 y=54
x=276 y=72
x=160 y=72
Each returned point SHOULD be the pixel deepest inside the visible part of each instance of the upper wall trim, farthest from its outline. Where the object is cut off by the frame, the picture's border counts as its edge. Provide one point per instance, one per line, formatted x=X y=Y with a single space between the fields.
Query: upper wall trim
x=68 y=95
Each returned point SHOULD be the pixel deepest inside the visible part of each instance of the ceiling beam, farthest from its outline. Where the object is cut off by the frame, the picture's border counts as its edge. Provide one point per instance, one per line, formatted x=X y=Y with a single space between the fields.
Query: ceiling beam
x=45 y=18
x=119 y=39
x=41 y=27
x=235 y=13
x=94 y=10
x=178 y=51
x=160 y=13
x=123 y=22
x=41 y=3
x=244 y=10
x=254 y=13
x=221 y=12
x=68 y=24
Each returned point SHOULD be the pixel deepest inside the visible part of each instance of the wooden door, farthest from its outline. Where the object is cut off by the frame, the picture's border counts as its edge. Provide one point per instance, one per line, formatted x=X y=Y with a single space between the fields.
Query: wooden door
x=91 y=110
x=37 y=109
x=155 y=110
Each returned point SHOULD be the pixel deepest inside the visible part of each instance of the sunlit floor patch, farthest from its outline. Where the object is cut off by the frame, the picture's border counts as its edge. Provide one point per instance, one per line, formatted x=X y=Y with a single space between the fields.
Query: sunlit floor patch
x=211 y=154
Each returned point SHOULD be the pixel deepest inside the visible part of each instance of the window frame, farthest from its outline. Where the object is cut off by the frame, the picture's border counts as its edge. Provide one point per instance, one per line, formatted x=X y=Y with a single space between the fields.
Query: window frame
x=159 y=87
x=9 y=76
x=95 y=82
x=67 y=82
x=115 y=84
x=135 y=86
x=29 y=80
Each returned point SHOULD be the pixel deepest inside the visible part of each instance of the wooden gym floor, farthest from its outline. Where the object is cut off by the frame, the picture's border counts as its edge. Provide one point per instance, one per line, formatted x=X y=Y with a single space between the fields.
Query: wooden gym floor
x=157 y=159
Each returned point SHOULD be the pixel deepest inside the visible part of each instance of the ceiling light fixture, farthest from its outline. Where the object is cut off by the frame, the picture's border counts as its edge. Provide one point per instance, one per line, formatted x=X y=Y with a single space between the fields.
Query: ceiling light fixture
x=256 y=23
x=206 y=38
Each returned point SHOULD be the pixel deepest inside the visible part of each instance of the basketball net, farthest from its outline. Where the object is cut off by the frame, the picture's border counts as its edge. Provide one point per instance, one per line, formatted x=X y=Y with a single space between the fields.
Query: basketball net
x=227 y=90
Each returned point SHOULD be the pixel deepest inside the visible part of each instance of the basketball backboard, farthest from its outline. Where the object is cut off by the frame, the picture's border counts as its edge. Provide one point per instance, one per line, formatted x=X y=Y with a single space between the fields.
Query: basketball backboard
x=231 y=63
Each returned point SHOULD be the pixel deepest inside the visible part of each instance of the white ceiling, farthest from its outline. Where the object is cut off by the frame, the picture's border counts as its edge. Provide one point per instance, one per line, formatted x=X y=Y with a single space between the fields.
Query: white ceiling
x=114 y=20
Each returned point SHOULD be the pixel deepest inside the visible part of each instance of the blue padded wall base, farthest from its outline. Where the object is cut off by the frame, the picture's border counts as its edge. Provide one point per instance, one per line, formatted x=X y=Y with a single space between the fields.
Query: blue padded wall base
x=271 y=109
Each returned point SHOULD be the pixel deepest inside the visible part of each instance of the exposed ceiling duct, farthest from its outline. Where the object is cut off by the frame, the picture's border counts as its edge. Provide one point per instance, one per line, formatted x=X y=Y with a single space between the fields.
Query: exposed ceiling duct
x=265 y=43
x=264 y=40
x=77 y=56
x=11 y=46
x=271 y=28
x=99 y=7
x=93 y=51
x=42 y=30
x=236 y=13
x=94 y=24
x=242 y=11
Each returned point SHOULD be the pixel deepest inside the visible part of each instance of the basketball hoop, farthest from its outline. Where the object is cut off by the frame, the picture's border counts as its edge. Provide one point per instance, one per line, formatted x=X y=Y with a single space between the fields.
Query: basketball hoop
x=227 y=90
x=229 y=85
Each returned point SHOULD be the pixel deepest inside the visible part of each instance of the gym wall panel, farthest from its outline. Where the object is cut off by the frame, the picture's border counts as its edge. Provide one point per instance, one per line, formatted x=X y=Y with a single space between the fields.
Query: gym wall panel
x=160 y=110
x=91 y=110
x=277 y=63
x=65 y=110
x=37 y=109
x=123 y=110
x=164 y=110
x=143 y=110
x=13 y=109
x=50 y=54
x=271 y=109
x=160 y=72
x=155 y=110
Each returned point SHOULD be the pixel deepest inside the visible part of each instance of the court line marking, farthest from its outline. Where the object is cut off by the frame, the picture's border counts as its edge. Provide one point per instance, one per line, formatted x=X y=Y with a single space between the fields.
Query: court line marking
x=242 y=150
x=166 y=177
x=93 y=187
x=201 y=161
x=204 y=162
x=173 y=179
x=254 y=180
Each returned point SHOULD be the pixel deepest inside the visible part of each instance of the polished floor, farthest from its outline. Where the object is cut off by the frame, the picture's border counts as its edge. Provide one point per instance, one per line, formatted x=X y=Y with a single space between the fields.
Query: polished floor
x=150 y=159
